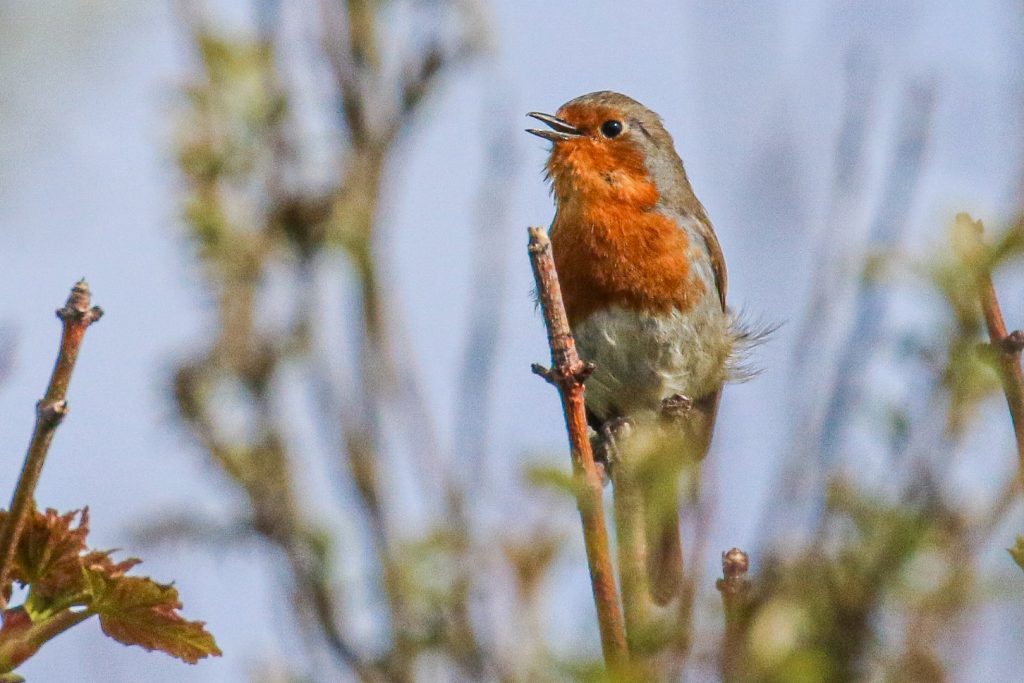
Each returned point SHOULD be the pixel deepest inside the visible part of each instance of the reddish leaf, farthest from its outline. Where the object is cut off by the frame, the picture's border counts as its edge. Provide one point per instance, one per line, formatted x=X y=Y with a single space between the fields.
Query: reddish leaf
x=99 y=561
x=15 y=621
x=138 y=611
x=48 y=553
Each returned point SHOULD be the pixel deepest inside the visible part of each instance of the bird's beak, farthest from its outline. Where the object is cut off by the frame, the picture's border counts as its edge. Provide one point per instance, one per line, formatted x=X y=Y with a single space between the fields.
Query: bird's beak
x=561 y=130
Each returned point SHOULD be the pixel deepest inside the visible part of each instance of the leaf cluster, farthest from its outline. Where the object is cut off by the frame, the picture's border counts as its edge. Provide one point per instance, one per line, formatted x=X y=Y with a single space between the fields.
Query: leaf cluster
x=69 y=582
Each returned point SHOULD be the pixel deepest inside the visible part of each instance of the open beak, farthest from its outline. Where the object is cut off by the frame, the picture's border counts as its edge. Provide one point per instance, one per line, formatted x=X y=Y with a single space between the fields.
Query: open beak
x=560 y=130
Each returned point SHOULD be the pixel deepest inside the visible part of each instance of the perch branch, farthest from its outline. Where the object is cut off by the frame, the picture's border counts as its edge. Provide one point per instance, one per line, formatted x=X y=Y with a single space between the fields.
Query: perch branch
x=1007 y=347
x=76 y=315
x=735 y=589
x=568 y=373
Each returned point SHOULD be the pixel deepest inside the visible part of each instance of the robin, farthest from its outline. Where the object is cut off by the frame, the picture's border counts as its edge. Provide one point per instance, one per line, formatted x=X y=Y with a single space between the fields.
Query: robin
x=644 y=282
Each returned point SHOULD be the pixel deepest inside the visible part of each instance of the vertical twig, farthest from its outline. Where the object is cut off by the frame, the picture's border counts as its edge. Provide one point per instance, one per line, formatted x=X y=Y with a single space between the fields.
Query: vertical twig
x=1007 y=347
x=77 y=314
x=735 y=589
x=567 y=374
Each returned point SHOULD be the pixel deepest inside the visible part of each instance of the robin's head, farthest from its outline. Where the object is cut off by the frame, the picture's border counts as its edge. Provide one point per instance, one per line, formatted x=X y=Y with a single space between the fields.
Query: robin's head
x=607 y=146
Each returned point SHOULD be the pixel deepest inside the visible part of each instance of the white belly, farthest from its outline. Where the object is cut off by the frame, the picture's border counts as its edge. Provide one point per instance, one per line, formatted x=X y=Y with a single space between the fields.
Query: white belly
x=642 y=359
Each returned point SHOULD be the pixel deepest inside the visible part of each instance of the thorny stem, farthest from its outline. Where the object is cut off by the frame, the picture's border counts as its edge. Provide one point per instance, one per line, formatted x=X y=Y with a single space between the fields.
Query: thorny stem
x=735 y=589
x=76 y=315
x=567 y=374
x=1007 y=346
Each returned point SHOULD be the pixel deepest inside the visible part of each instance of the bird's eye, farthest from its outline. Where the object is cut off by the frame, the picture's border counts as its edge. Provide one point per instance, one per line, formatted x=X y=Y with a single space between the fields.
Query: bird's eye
x=611 y=128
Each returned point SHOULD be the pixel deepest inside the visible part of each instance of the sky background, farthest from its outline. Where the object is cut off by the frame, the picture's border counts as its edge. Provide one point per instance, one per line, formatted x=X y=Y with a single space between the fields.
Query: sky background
x=753 y=94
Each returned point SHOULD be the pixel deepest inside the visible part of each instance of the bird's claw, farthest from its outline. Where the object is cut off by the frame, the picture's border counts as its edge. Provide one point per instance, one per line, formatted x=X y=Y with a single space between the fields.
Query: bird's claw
x=676 y=405
x=611 y=434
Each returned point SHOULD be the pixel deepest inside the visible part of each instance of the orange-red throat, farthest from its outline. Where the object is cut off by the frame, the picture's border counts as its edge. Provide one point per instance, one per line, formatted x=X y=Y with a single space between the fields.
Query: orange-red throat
x=594 y=167
x=611 y=246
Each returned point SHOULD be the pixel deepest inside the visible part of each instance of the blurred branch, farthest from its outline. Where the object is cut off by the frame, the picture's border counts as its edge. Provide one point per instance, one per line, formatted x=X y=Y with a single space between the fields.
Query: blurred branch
x=7 y=348
x=735 y=589
x=242 y=205
x=487 y=292
x=845 y=194
x=812 y=362
x=567 y=374
x=1006 y=345
x=192 y=528
x=76 y=315
x=347 y=55
x=861 y=341
x=376 y=110
x=631 y=537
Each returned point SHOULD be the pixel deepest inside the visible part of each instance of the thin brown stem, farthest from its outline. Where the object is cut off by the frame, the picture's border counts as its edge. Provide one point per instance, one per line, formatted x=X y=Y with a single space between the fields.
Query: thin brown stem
x=1007 y=347
x=567 y=374
x=77 y=314
x=19 y=644
x=735 y=589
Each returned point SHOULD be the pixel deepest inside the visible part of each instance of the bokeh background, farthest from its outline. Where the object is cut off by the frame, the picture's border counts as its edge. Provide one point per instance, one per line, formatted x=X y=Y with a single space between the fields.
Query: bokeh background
x=819 y=134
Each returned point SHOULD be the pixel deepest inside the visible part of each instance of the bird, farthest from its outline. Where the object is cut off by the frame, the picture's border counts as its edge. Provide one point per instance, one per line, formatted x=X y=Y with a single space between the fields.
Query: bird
x=643 y=280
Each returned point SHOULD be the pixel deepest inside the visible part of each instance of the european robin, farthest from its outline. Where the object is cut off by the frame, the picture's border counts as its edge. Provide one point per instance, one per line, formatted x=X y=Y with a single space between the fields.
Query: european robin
x=644 y=282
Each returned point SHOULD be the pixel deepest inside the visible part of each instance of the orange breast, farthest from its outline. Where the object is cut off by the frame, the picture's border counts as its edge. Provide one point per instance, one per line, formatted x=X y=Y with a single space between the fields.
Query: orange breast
x=617 y=254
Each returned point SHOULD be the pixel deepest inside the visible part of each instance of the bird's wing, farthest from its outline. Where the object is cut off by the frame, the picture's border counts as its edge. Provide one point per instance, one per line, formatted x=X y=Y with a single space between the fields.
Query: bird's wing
x=717 y=258
x=664 y=551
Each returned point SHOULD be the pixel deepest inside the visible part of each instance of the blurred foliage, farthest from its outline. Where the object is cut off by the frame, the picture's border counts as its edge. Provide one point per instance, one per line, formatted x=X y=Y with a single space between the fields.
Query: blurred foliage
x=1017 y=552
x=816 y=613
x=968 y=376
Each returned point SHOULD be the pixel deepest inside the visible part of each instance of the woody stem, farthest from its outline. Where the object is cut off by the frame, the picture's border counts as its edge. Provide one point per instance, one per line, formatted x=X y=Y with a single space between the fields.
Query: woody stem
x=567 y=374
x=735 y=589
x=76 y=315
x=1007 y=346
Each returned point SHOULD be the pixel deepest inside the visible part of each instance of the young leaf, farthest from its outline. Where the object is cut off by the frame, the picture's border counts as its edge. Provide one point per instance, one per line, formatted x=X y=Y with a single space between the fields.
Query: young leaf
x=139 y=611
x=552 y=478
x=48 y=557
x=1017 y=552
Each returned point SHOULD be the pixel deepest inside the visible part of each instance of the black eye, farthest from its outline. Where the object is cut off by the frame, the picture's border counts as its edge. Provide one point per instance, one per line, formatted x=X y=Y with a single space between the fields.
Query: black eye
x=611 y=128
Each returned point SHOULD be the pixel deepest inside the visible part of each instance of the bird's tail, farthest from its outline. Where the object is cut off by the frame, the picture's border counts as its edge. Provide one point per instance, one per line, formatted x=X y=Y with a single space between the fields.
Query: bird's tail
x=665 y=569
x=664 y=559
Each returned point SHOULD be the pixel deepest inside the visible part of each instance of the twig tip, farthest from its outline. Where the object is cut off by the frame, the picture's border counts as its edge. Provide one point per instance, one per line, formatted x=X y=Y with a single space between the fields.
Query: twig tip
x=539 y=239
x=79 y=306
x=735 y=563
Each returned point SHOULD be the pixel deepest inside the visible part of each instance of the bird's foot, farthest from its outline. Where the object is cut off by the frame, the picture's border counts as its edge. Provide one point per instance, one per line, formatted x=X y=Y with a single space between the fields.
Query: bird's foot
x=610 y=436
x=676 y=405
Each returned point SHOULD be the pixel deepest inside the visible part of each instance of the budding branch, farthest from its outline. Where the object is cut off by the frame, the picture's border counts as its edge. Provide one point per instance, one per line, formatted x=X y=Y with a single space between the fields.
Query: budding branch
x=735 y=589
x=76 y=315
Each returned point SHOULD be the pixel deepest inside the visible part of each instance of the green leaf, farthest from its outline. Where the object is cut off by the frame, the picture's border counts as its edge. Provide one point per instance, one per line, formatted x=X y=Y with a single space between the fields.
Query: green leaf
x=553 y=478
x=1017 y=552
x=139 y=611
